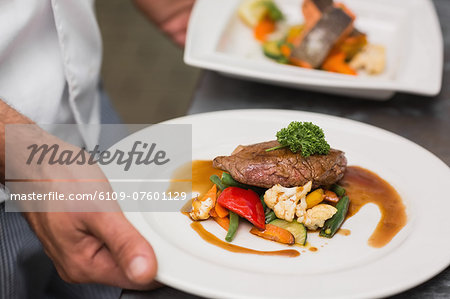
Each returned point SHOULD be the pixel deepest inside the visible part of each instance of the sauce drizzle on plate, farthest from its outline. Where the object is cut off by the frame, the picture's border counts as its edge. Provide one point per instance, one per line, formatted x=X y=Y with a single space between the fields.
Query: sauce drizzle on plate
x=363 y=187
x=201 y=171
x=210 y=238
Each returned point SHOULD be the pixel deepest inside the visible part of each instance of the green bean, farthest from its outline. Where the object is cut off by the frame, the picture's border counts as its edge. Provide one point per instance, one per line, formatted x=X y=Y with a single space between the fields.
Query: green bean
x=340 y=191
x=270 y=215
x=333 y=224
x=216 y=180
x=261 y=197
x=234 y=223
x=228 y=180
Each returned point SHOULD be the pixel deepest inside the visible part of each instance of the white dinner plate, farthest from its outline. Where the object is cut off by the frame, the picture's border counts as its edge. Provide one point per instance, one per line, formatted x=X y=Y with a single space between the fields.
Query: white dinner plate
x=409 y=29
x=344 y=266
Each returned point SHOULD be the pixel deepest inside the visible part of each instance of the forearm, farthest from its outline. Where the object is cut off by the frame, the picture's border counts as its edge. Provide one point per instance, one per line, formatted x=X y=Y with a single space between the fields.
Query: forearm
x=171 y=16
x=8 y=115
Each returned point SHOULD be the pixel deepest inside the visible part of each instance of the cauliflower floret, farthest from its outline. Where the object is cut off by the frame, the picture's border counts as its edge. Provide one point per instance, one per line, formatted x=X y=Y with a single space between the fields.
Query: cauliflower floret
x=201 y=208
x=300 y=210
x=285 y=210
x=316 y=216
x=283 y=201
x=372 y=58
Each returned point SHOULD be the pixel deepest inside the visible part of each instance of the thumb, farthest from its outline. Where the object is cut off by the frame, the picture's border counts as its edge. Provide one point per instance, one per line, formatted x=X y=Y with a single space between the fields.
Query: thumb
x=132 y=253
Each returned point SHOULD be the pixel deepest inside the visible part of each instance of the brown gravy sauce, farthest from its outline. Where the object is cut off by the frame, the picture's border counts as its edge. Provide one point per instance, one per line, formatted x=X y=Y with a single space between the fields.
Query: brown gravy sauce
x=201 y=171
x=363 y=187
x=210 y=238
x=344 y=232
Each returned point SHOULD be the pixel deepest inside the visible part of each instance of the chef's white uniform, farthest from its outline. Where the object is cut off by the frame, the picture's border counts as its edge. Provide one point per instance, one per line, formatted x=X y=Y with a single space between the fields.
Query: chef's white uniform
x=50 y=56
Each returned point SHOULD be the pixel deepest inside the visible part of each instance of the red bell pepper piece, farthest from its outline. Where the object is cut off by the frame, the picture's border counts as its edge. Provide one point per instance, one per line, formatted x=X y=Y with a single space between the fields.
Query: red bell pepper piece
x=245 y=203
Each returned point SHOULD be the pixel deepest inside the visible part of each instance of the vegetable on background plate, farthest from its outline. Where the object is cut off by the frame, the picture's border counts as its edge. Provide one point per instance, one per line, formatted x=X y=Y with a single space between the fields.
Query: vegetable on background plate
x=335 y=62
x=272 y=50
x=305 y=137
x=273 y=12
x=245 y=203
x=277 y=50
x=294 y=35
x=253 y=11
x=265 y=27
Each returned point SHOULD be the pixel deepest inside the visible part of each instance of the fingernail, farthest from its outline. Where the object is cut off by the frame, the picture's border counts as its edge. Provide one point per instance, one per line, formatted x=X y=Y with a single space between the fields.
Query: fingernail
x=137 y=268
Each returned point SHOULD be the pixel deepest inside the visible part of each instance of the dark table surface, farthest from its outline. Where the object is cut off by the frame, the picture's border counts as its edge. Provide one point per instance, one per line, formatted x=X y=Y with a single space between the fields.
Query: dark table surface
x=423 y=120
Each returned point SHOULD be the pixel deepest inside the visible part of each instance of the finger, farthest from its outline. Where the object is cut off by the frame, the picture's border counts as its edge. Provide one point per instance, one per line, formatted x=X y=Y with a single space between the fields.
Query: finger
x=176 y=24
x=180 y=39
x=132 y=254
x=105 y=270
x=89 y=261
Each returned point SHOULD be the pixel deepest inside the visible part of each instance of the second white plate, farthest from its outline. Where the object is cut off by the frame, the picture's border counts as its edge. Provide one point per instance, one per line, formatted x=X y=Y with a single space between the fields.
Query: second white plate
x=218 y=40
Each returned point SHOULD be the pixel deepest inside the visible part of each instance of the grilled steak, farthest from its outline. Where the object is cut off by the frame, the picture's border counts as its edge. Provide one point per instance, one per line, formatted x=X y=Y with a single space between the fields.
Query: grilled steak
x=254 y=166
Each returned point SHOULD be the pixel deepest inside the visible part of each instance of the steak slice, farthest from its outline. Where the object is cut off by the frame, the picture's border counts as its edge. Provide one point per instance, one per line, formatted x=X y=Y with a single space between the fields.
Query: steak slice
x=252 y=165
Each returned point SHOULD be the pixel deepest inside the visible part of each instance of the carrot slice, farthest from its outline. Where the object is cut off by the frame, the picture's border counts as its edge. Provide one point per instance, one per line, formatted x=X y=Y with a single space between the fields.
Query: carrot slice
x=221 y=211
x=335 y=62
x=274 y=233
x=218 y=210
x=223 y=222
x=300 y=63
x=211 y=193
x=331 y=196
x=213 y=213
x=285 y=50
x=264 y=28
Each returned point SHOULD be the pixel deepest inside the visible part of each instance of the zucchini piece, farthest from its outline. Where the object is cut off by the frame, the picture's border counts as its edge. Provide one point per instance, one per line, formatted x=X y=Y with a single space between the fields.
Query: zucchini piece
x=272 y=50
x=295 y=228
